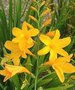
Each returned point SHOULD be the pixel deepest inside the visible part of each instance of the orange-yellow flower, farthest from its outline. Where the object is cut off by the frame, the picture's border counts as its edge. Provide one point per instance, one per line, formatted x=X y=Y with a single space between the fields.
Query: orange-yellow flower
x=61 y=65
x=10 y=70
x=23 y=36
x=16 y=53
x=54 y=45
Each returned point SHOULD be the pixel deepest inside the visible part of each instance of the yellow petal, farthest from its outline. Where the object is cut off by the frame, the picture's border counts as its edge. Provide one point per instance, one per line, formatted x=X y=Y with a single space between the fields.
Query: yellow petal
x=53 y=55
x=57 y=35
x=69 y=57
x=29 y=26
x=43 y=51
x=15 y=40
x=14 y=56
x=62 y=60
x=23 y=69
x=61 y=52
x=64 y=42
x=12 y=68
x=16 y=60
x=33 y=32
x=16 y=31
x=29 y=52
x=6 y=78
x=24 y=27
x=23 y=44
x=45 y=39
x=3 y=72
x=9 y=56
x=59 y=72
x=24 y=55
x=30 y=42
x=68 y=68
x=9 y=45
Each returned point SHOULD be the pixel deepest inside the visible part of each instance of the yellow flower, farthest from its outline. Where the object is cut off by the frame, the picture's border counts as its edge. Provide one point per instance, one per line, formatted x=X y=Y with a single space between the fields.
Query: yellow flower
x=61 y=65
x=55 y=45
x=11 y=70
x=16 y=53
x=23 y=37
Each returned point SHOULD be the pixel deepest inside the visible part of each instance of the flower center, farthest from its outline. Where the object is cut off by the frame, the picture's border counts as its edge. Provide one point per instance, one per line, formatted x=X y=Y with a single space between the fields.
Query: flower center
x=51 y=46
x=26 y=37
x=22 y=35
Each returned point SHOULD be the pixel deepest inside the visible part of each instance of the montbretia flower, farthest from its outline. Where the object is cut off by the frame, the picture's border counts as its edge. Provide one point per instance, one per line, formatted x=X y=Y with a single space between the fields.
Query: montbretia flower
x=61 y=65
x=16 y=53
x=54 y=45
x=10 y=70
x=23 y=36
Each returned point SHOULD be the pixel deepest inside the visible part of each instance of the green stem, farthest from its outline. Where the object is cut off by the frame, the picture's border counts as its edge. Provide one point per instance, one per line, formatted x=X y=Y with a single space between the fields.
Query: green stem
x=36 y=78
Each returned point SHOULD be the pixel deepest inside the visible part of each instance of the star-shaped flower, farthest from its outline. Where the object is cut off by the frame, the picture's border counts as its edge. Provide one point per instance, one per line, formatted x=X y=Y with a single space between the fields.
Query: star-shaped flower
x=54 y=45
x=23 y=36
x=61 y=65
x=16 y=53
x=10 y=70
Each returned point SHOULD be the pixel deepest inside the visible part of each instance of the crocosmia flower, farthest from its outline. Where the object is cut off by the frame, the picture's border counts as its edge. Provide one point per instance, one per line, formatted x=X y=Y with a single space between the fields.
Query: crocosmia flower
x=24 y=36
x=61 y=65
x=54 y=45
x=10 y=70
x=16 y=53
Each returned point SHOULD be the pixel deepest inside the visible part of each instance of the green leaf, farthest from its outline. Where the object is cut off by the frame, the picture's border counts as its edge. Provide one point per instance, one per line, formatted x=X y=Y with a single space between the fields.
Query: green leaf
x=45 y=81
x=60 y=87
x=17 y=12
x=10 y=19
